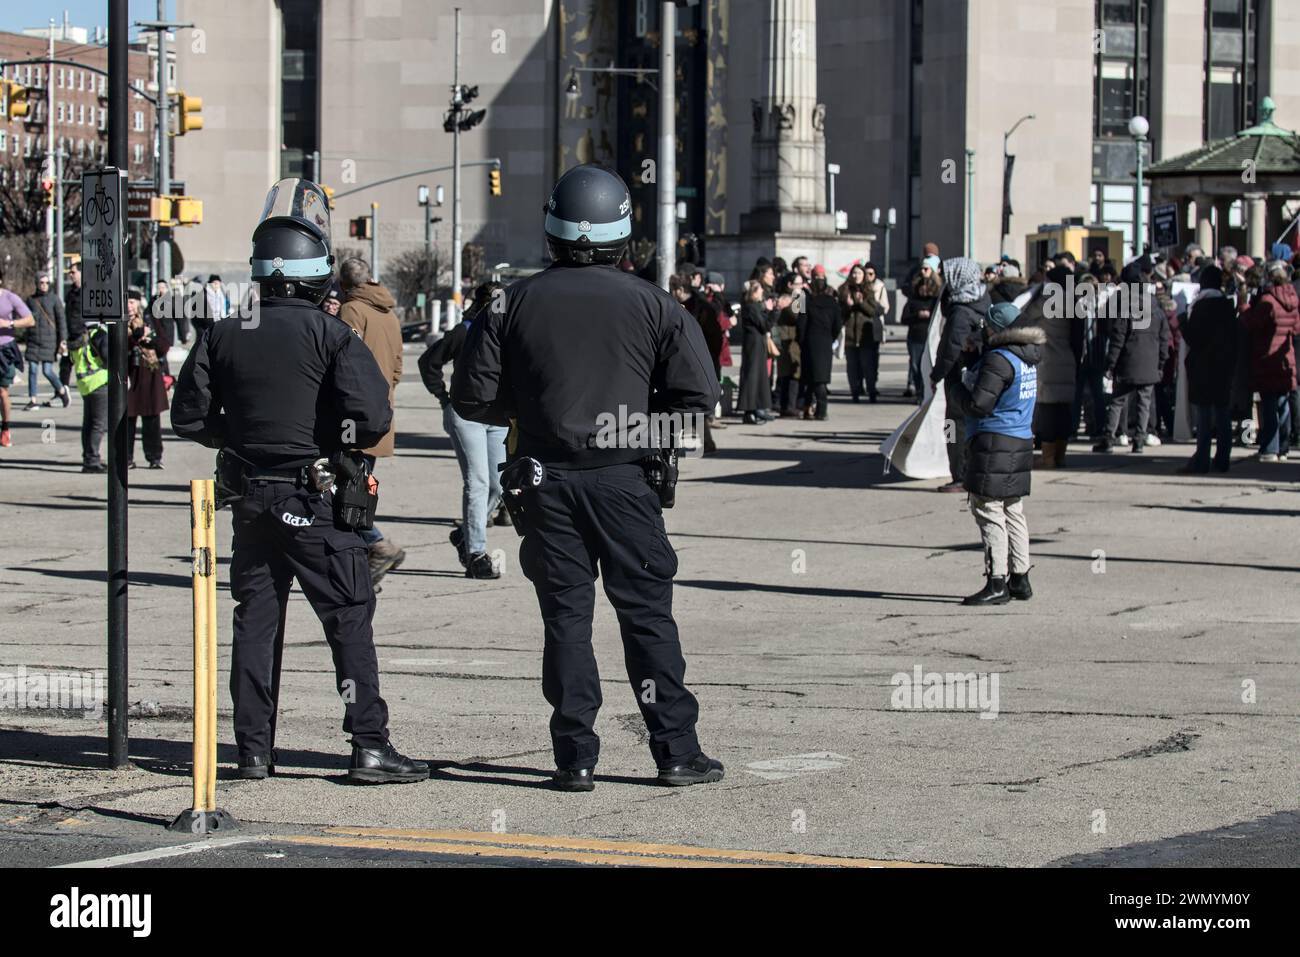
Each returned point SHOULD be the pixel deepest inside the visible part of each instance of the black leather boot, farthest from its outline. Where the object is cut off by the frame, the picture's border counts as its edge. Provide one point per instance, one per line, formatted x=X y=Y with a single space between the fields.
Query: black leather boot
x=254 y=767
x=1019 y=587
x=577 y=779
x=701 y=769
x=994 y=592
x=385 y=765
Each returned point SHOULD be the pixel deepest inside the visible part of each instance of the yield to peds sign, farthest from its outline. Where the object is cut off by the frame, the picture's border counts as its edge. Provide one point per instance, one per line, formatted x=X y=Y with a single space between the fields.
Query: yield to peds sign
x=102 y=214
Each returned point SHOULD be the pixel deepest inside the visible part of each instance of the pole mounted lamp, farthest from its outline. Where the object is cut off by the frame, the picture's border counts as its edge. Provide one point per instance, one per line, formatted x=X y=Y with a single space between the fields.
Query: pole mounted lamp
x=1140 y=128
x=1008 y=165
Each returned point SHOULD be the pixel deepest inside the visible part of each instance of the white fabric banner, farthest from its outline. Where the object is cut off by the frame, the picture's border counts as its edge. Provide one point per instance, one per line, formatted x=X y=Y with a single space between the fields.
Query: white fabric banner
x=918 y=447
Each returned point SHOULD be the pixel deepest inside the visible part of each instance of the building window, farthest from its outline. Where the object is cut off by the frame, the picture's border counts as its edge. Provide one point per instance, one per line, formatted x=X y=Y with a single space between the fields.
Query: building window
x=1231 y=71
x=103 y=86
x=81 y=114
x=300 y=88
x=60 y=112
x=139 y=120
x=103 y=118
x=4 y=139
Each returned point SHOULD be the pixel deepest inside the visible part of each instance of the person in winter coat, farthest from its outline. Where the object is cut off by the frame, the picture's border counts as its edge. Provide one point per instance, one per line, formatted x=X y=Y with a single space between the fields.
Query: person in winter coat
x=791 y=302
x=480 y=448
x=922 y=301
x=1272 y=323
x=368 y=309
x=146 y=396
x=47 y=341
x=14 y=316
x=860 y=308
x=1009 y=285
x=1139 y=348
x=965 y=302
x=75 y=323
x=821 y=328
x=1211 y=336
x=1061 y=353
x=997 y=395
x=755 y=397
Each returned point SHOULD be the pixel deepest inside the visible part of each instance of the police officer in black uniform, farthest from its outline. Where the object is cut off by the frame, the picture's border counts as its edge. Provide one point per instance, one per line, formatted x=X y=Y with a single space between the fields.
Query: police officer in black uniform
x=556 y=357
x=279 y=394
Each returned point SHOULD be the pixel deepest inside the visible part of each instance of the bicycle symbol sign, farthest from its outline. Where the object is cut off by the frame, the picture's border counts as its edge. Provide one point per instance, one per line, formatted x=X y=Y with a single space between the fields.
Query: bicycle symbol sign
x=102 y=289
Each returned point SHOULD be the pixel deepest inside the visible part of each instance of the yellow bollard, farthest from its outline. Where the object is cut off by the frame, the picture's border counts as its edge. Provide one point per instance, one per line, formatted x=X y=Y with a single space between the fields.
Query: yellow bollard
x=204 y=815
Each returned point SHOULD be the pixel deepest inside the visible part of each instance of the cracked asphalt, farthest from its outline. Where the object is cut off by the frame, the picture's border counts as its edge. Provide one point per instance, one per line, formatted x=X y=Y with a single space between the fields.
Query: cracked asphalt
x=1146 y=707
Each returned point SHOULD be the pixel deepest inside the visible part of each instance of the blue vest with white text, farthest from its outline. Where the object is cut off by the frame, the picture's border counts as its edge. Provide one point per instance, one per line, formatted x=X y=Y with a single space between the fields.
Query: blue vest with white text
x=1013 y=414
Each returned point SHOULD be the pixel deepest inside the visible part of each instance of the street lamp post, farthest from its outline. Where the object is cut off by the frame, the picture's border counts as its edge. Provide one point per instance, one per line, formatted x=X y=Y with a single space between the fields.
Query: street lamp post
x=667 y=171
x=1008 y=165
x=1139 y=127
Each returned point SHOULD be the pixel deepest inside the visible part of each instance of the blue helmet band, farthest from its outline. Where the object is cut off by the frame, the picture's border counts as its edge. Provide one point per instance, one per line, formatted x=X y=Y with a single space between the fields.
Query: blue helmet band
x=292 y=268
x=598 y=234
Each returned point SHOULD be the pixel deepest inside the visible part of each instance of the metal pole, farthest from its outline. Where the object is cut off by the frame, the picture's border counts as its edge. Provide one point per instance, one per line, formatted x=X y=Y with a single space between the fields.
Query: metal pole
x=49 y=156
x=456 y=225
x=374 y=241
x=889 y=232
x=56 y=277
x=1138 y=225
x=667 y=171
x=119 y=452
x=1006 y=158
x=164 y=121
x=970 y=203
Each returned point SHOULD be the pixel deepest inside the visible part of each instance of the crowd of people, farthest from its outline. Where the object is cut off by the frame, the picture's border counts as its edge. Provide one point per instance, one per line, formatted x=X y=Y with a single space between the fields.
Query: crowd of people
x=1105 y=366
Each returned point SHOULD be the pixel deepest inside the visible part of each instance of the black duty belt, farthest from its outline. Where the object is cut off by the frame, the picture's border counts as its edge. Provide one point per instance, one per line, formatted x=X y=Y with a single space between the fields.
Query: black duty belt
x=297 y=477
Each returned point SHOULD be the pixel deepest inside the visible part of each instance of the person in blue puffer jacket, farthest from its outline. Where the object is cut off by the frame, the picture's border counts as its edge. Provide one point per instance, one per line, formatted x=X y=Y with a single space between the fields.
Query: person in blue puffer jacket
x=996 y=393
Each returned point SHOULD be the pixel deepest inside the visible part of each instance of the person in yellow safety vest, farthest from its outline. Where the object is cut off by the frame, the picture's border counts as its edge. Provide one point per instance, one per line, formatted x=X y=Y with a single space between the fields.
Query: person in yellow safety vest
x=90 y=361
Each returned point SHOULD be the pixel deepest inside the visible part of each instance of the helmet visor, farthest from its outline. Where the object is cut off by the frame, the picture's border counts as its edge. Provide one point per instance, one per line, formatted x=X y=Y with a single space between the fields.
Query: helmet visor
x=301 y=200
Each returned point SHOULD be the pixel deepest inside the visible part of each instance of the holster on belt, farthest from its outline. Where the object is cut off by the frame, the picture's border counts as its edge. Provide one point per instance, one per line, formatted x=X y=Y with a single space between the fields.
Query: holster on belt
x=661 y=471
x=356 y=493
x=517 y=478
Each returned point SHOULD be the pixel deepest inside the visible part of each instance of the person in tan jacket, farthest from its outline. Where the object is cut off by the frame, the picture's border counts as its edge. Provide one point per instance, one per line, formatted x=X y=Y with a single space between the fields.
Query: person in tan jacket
x=368 y=309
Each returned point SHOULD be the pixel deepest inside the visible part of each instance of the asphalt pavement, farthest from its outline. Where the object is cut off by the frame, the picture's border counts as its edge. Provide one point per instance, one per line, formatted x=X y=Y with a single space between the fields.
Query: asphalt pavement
x=1145 y=706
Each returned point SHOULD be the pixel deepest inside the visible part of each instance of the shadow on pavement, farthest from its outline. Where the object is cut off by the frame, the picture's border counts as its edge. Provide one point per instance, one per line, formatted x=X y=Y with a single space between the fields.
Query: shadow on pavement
x=818 y=592
x=492 y=774
x=1272 y=841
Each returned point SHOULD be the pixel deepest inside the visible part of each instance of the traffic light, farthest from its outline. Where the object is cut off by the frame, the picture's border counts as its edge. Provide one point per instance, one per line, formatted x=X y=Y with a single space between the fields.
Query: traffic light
x=359 y=228
x=494 y=178
x=16 y=102
x=47 y=187
x=187 y=211
x=188 y=109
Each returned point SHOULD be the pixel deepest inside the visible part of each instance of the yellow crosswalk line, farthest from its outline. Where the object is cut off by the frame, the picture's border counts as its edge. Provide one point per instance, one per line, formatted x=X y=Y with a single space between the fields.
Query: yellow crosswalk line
x=604 y=846
x=490 y=850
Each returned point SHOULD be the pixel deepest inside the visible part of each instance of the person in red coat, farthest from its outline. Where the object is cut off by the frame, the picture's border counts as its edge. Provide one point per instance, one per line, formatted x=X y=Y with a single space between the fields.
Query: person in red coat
x=1272 y=322
x=146 y=396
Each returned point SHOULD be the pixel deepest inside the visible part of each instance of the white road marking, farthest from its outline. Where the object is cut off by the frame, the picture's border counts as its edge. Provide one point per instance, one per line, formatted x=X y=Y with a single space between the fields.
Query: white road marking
x=778 y=769
x=159 y=853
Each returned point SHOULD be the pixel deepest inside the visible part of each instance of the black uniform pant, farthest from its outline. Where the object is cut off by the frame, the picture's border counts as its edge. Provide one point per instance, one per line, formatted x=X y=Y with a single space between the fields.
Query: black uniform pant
x=94 y=423
x=283 y=533
x=151 y=429
x=607 y=521
x=956 y=447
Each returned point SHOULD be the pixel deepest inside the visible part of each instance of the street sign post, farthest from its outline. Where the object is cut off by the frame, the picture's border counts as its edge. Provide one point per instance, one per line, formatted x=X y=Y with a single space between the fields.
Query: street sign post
x=103 y=291
x=1164 y=226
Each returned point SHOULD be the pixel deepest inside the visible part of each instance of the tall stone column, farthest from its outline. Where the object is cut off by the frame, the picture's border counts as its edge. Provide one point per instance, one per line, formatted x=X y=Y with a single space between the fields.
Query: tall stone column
x=1205 y=223
x=789 y=138
x=1256 y=224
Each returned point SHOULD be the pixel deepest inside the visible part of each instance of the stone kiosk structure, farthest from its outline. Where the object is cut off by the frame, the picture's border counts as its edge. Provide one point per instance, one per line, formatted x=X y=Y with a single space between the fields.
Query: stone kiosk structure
x=1260 y=165
x=789 y=217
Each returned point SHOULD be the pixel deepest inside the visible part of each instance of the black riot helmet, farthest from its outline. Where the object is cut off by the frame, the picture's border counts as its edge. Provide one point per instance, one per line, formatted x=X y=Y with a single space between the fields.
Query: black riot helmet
x=292 y=255
x=589 y=216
